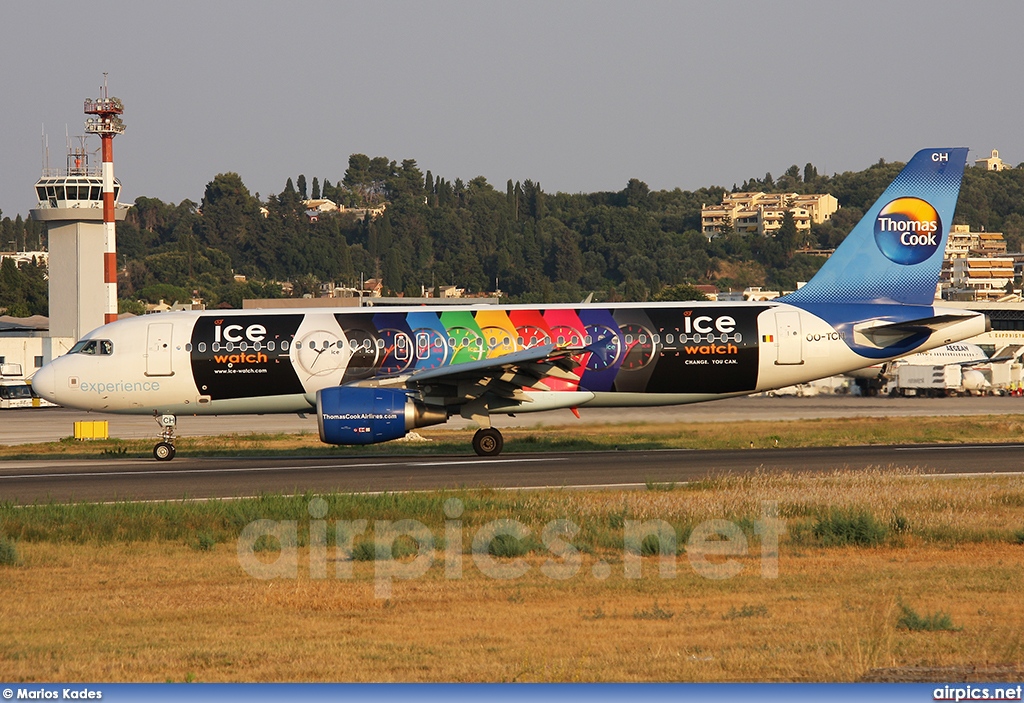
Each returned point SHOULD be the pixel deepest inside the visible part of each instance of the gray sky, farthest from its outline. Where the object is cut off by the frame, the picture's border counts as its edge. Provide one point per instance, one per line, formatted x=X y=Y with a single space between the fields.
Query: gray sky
x=580 y=96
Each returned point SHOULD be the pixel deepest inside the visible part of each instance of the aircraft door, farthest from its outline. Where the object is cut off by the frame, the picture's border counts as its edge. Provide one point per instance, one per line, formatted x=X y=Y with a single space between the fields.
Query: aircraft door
x=158 y=349
x=403 y=348
x=422 y=345
x=789 y=344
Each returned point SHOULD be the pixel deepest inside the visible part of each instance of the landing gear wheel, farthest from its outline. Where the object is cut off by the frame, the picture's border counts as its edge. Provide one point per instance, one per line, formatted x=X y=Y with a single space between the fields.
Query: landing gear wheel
x=488 y=442
x=163 y=451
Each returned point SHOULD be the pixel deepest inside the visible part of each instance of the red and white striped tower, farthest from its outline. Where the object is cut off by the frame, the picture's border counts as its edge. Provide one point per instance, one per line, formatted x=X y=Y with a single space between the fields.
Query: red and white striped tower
x=107 y=123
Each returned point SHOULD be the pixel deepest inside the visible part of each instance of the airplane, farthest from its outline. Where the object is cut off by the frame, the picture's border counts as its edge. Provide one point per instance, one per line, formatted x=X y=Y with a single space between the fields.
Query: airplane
x=375 y=374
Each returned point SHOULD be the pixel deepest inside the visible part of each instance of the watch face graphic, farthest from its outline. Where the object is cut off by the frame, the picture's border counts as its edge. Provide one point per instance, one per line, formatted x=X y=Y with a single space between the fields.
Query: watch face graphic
x=398 y=353
x=319 y=352
x=533 y=336
x=605 y=347
x=468 y=345
x=498 y=341
x=639 y=346
x=365 y=353
x=430 y=348
x=563 y=335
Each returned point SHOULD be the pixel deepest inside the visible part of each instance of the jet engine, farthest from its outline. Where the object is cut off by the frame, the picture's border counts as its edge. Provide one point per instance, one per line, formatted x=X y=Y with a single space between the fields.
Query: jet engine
x=358 y=415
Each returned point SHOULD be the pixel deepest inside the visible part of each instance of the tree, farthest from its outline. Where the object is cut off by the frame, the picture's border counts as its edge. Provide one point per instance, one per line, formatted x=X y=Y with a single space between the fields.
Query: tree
x=680 y=291
x=300 y=184
x=636 y=193
x=230 y=216
x=316 y=189
x=786 y=235
x=726 y=227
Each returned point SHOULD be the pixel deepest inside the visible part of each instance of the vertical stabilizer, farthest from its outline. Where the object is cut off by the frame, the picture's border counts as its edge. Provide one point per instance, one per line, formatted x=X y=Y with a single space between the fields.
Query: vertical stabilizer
x=895 y=252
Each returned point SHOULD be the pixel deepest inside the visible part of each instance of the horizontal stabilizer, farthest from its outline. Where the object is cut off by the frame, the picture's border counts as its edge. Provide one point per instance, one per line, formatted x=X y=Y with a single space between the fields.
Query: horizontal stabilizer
x=881 y=334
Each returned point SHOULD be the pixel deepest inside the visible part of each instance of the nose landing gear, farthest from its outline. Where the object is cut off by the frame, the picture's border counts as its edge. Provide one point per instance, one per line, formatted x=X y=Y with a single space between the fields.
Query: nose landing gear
x=164 y=450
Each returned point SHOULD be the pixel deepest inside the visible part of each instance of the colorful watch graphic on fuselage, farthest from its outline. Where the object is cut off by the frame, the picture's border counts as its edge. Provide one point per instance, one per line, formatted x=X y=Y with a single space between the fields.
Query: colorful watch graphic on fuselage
x=626 y=349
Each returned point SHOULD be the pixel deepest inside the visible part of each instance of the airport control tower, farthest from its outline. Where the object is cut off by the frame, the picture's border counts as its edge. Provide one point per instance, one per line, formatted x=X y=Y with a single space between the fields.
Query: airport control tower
x=79 y=206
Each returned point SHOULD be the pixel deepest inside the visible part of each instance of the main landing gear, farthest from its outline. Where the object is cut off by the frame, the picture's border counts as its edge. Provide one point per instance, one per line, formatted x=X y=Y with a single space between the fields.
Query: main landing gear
x=488 y=442
x=164 y=450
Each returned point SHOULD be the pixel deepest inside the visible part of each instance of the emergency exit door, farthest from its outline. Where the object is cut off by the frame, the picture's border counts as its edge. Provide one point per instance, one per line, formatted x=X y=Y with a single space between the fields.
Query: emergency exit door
x=158 y=349
x=790 y=346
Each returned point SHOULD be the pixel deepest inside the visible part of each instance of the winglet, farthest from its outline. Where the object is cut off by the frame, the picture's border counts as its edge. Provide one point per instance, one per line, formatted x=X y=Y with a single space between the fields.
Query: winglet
x=894 y=254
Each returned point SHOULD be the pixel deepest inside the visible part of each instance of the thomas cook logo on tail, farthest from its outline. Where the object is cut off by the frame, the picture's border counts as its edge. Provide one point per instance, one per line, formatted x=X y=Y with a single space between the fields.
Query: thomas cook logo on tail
x=908 y=231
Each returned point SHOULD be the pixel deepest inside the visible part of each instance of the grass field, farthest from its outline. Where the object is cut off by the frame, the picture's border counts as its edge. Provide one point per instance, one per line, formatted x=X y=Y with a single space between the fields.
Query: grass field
x=876 y=570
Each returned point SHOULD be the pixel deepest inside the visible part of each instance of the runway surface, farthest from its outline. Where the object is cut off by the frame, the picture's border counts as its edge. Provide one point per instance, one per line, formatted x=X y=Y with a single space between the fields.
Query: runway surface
x=145 y=479
x=50 y=424
x=43 y=481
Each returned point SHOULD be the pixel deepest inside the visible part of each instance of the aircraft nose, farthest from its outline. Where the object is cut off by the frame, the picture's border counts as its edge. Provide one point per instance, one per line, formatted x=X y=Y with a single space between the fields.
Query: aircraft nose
x=44 y=383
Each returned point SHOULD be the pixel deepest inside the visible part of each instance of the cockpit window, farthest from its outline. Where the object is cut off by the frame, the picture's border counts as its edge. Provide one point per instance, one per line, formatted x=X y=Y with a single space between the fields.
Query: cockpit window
x=103 y=347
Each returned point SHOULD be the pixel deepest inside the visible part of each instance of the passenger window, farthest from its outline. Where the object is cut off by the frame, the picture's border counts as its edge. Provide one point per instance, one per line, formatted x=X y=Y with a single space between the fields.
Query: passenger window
x=201 y=347
x=284 y=345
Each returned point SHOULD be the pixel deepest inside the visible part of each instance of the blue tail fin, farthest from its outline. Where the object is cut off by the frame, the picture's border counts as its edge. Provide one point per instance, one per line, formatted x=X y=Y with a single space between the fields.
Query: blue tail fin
x=895 y=252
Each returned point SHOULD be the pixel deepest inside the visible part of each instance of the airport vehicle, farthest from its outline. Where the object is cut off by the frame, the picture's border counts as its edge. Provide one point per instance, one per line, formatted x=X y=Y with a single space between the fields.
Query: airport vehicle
x=873 y=379
x=939 y=381
x=374 y=374
x=18 y=394
x=15 y=394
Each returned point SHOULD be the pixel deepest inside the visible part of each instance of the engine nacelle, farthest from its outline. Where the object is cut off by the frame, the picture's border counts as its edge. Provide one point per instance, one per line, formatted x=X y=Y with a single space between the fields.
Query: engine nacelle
x=357 y=415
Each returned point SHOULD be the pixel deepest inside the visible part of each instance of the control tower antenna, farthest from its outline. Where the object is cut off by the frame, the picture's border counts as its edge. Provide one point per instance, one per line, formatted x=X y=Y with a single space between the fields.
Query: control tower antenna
x=107 y=123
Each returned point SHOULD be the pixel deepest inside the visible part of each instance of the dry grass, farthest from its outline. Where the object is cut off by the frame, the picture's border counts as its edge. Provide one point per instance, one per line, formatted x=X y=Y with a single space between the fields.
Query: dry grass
x=163 y=610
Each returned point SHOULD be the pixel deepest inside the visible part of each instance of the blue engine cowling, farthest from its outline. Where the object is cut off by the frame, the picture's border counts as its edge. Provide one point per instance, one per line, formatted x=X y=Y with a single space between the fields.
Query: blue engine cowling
x=356 y=415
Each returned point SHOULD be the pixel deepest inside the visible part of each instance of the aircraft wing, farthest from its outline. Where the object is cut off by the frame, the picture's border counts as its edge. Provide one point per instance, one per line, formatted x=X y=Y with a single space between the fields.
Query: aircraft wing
x=504 y=376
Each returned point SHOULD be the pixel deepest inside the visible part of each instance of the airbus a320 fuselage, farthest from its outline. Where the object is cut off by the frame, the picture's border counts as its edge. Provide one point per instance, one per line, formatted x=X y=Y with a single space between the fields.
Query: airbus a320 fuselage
x=374 y=374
